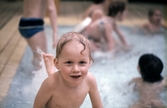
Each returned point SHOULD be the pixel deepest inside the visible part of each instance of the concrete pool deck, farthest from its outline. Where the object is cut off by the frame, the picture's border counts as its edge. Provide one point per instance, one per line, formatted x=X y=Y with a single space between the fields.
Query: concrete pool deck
x=12 y=46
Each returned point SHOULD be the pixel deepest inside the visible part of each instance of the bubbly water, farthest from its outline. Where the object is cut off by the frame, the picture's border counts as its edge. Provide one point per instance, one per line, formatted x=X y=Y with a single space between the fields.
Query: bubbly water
x=112 y=72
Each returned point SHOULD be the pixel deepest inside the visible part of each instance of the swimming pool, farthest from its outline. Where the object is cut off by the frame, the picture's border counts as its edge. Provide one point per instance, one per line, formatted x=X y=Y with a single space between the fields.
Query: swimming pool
x=111 y=72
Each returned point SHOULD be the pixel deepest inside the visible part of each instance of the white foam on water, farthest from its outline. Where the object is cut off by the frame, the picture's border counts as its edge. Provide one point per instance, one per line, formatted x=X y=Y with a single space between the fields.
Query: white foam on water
x=41 y=72
x=39 y=76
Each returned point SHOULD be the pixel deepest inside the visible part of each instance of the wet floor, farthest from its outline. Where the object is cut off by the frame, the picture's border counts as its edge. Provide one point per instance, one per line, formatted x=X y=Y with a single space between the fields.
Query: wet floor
x=111 y=72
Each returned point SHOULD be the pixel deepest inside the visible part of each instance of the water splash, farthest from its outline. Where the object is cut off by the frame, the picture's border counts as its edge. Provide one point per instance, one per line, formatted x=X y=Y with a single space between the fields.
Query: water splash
x=39 y=75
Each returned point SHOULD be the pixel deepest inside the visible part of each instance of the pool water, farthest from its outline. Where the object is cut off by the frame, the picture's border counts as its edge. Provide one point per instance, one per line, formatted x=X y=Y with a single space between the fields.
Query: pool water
x=112 y=71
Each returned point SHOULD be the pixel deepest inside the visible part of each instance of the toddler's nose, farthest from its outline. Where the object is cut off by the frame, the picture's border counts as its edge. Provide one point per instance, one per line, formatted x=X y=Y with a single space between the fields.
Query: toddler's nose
x=76 y=68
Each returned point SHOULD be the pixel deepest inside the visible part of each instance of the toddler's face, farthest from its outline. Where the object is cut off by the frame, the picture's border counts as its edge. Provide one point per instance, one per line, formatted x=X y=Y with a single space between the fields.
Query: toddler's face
x=72 y=64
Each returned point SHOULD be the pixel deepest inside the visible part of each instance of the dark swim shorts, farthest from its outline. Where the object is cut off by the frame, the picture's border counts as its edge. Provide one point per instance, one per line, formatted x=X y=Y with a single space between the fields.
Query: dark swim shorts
x=28 y=27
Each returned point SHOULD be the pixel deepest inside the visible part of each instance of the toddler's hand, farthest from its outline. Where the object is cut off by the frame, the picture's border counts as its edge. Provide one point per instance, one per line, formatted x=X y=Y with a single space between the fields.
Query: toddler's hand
x=49 y=63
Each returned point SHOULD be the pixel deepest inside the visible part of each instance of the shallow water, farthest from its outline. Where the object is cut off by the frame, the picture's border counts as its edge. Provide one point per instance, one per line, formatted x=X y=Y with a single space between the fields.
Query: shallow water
x=112 y=72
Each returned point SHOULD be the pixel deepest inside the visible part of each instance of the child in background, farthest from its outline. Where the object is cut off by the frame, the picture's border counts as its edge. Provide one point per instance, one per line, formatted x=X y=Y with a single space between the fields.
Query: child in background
x=68 y=87
x=100 y=31
x=151 y=83
x=155 y=23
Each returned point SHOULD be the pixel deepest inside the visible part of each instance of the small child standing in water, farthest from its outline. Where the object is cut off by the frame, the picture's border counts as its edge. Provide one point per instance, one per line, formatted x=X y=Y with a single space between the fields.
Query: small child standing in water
x=151 y=84
x=68 y=87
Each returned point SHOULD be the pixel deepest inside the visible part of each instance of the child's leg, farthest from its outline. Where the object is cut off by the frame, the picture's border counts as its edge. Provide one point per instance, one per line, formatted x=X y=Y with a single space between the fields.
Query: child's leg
x=49 y=63
x=38 y=40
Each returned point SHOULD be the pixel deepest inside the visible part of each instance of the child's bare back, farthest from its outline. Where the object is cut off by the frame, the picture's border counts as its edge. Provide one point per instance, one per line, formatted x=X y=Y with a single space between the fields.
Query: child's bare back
x=151 y=83
x=149 y=93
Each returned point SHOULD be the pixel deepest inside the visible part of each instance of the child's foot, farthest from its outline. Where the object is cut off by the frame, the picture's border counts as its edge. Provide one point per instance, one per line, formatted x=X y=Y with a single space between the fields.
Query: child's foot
x=49 y=63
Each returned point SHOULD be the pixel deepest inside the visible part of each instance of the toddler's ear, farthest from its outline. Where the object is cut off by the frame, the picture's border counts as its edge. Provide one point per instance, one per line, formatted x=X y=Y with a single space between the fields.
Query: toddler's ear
x=56 y=63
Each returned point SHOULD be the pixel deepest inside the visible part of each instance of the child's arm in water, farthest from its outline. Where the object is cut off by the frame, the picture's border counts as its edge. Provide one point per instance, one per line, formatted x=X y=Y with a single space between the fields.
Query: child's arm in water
x=126 y=46
x=119 y=33
x=108 y=36
x=49 y=63
x=43 y=95
x=94 y=93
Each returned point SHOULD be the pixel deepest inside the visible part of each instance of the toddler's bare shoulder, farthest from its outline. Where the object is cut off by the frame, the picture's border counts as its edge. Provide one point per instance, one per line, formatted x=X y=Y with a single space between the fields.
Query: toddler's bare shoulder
x=90 y=79
x=90 y=76
x=51 y=79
